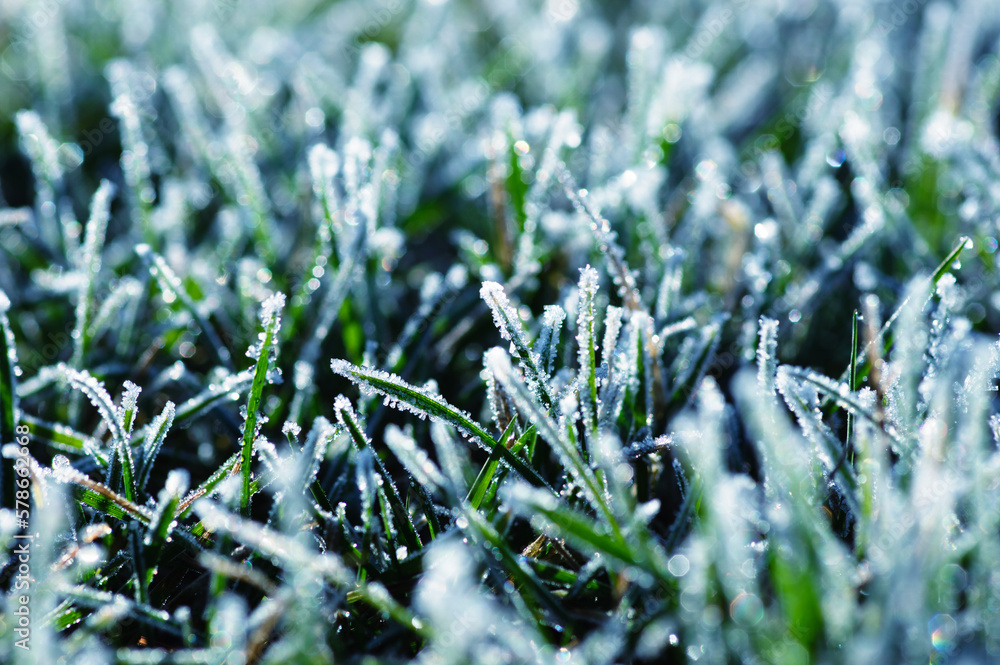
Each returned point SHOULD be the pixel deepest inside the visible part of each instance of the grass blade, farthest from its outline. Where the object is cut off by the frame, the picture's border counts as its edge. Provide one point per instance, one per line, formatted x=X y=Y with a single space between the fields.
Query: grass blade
x=9 y=411
x=265 y=354
x=406 y=397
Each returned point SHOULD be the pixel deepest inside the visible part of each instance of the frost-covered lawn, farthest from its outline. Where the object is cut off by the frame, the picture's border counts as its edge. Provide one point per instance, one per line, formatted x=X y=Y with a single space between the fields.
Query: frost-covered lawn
x=458 y=332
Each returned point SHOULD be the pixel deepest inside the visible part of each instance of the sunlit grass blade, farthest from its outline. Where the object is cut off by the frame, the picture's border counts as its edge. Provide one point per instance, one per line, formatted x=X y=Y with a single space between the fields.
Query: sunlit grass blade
x=121 y=467
x=569 y=456
x=478 y=490
x=264 y=353
x=64 y=439
x=406 y=397
x=506 y=320
x=348 y=418
x=163 y=521
x=97 y=495
x=90 y=265
x=151 y=445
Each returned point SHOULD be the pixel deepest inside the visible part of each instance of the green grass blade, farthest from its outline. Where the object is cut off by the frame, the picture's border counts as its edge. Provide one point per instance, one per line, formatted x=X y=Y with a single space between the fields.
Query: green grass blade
x=942 y=269
x=97 y=495
x=64 y=439
x=406 y=397
x=347 y=417
x=9 y=411
x=478 y=490
x=163 y=521
x=265 y=353
x=121 y=467
x=506 y=320
x=151 y=446
x=572 y=524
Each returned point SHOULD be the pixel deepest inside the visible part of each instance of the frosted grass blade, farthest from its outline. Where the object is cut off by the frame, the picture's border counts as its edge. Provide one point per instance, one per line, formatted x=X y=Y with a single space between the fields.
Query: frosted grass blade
x=90 y=265
x=406 y=397
x=265 y=354
x=506 y=320
x=10 y=412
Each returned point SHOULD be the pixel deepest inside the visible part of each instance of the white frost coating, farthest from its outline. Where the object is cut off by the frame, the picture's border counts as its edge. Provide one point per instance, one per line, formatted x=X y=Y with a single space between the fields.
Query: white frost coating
x=291 y=429
x=415 y=460
x=612 y=328
x=324 y=164
x=589 y=280
x=586 y=340
x=395 y=393
x=548 y=342
x=270 y=320
x=39 y=144
x=554 y=316
x=767 y=360
x=346 y=416
x=99 y=397
x=177 y=483
x=499 y=363
x=504 y=317
x=126 y=414
x=64 y=472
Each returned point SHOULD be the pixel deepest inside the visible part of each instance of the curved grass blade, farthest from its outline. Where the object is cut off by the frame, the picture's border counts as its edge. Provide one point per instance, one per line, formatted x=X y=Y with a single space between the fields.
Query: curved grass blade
x=152 y=444
x=406 y=397
x=64 y=439
x=121 y=467
x=98 y=496
x=509 y=325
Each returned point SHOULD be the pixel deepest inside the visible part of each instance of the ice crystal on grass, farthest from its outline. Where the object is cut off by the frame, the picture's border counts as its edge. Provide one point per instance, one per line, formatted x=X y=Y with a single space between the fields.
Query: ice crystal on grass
x=506 y=319
x=265 y=353
x=676 y=179
x=767 y=360
x=552 y=321
x=90 y=265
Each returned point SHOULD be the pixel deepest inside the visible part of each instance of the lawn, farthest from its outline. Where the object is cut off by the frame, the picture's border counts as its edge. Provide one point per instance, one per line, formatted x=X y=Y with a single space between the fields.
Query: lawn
x=447 y=332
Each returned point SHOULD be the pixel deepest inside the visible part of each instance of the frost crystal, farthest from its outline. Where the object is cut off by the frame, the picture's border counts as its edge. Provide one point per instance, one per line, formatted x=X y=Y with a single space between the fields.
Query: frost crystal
x=504 y=317
x=767 y=361
x=508 y=323
x=552 y=321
